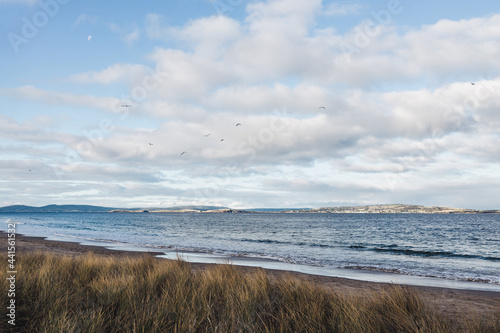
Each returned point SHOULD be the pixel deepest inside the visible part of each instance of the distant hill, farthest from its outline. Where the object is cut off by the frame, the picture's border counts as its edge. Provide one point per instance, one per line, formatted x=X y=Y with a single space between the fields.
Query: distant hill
x=54 y=209
x=99 y=209
x=185 y=208
x=393 y=209
x=275 y=210
x=178 y=209
x=383 y=209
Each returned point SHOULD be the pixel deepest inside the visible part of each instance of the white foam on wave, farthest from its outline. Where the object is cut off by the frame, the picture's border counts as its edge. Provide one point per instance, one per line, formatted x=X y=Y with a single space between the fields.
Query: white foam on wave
x=11 y=221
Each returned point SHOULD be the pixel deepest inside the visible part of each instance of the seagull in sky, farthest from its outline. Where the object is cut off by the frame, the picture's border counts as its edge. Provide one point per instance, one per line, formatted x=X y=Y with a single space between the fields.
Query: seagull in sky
x=238 y=124
x=473 y=83
x=126 y=106
x=207 y=135
x=150 y=144
x=322 y=107
x=221 y=140
x=183 y=153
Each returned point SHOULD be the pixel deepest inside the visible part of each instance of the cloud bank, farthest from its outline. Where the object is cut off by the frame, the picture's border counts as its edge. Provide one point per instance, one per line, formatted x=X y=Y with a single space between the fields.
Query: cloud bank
x=378 y=114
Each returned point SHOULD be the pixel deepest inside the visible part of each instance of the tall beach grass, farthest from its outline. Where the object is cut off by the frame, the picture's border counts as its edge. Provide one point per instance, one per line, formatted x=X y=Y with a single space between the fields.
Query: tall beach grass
x=92 y=293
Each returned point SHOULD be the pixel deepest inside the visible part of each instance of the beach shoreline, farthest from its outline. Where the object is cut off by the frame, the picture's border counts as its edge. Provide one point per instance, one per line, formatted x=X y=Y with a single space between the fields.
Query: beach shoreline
x=450 y=302
x=75 y=245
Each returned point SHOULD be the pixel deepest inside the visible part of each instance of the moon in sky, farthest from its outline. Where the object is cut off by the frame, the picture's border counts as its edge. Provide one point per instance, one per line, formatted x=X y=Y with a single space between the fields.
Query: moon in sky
x=89 y=38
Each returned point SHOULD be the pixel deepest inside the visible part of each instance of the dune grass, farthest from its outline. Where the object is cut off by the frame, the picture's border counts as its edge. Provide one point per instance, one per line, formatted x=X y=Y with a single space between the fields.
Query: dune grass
x=113 y=294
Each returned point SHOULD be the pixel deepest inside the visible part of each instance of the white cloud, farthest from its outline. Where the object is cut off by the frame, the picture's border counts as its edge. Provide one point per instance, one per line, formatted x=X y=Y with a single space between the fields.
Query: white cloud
x=187 y=75
x=446 y=46
x=52 y=98
x=128 y=34
x=132 y=36
x=341 y=9
x=262 y=98
x=277 y=41
x=210 y=36
x=287 y=16
x=13 y=130
x=155 y=26
x=85 y=18
x=448 y=49
x=125 y=73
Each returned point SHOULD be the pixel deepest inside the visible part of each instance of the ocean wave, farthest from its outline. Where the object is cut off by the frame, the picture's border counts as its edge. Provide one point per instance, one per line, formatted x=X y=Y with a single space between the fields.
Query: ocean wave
x=425 y=253
x=265 y=241
x=395 y=249
x=71 y=236
x=272 y=241
x=402 y=271
x=11 y=221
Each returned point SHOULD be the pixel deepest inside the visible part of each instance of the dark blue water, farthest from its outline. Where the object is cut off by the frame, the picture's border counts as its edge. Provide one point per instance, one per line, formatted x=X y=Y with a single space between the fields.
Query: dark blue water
x=454 y=246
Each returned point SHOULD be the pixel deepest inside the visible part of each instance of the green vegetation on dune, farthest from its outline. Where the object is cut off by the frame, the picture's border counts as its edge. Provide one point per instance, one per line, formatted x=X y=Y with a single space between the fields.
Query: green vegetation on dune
x=121 y=294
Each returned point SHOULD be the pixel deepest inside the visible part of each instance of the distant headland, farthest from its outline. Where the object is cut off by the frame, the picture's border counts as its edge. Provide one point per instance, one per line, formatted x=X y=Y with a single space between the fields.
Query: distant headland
x=370 y=209
x=395 y=209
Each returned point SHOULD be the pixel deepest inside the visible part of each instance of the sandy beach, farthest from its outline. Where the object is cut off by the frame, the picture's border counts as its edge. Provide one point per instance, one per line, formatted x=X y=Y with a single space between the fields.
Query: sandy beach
x=449 y=302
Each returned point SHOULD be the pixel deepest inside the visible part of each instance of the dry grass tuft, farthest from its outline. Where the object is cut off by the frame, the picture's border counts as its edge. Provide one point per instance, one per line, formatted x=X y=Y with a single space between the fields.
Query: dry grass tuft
x=111 y=294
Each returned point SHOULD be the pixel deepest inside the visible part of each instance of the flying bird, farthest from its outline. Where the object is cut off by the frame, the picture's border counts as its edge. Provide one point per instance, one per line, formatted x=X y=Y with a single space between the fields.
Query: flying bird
x=183 y=153
x=221 y=140
x=126 y=106
x=473 y=83
x=322 y=107
x=150 y=144
x=238 y=124
x=89 y=38
x=207 y=135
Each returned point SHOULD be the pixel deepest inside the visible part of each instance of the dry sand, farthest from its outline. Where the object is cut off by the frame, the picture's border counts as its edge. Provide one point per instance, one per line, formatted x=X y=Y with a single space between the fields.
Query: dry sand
x=453 y=303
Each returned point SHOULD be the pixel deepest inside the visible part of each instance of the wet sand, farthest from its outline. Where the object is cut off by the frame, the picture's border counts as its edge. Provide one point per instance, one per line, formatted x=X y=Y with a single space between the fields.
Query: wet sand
x=453 y=303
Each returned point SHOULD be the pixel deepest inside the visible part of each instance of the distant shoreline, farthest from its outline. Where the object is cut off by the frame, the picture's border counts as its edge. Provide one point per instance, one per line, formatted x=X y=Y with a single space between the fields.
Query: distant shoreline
x=370 y=209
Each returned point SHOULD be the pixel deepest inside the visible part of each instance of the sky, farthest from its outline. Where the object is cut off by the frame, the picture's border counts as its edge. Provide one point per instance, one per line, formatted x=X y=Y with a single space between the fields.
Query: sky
x=250 y=104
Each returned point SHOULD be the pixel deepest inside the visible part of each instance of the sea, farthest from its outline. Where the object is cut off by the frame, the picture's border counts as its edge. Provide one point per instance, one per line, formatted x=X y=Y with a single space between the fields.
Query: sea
x=443 y=250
